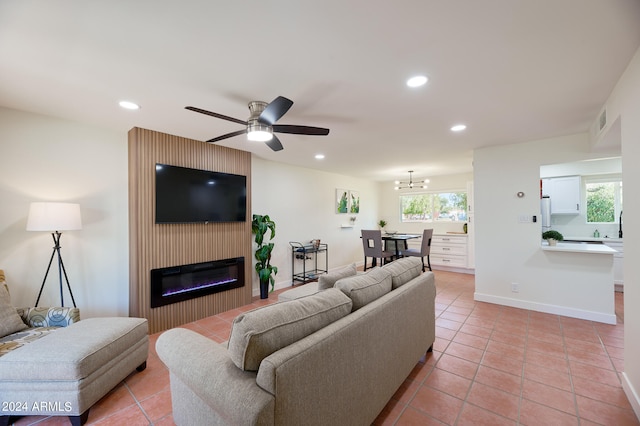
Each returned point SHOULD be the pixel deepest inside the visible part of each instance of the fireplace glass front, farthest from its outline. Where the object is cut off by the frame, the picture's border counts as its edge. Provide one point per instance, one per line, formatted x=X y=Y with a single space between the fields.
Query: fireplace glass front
x=179 y=283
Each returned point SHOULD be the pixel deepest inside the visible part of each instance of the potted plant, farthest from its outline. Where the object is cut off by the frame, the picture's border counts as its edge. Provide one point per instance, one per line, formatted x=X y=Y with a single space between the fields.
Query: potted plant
x=382 y=223
x=260 y=224
x=552 y=237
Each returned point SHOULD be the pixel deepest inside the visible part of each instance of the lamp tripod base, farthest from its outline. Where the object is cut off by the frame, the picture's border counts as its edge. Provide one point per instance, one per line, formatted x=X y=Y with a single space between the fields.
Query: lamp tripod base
x=61 y=270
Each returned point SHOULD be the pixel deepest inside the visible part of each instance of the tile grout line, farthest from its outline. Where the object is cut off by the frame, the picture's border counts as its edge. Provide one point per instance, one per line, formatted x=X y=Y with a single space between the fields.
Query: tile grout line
x=138 y=403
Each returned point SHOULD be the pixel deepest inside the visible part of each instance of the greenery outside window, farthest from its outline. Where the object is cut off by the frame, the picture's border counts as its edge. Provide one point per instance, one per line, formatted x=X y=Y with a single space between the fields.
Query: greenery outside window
x=434 y=207
x=604 y=200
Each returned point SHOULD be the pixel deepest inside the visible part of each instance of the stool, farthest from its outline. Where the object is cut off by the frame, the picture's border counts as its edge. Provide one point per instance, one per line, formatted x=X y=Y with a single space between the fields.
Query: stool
x=69 y=370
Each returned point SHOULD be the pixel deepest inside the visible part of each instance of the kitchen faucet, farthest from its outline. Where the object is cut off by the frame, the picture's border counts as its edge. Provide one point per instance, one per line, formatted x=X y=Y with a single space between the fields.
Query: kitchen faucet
x=620 y=231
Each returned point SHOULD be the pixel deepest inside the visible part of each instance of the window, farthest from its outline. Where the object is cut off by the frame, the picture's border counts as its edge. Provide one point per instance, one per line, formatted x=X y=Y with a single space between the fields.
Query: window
x=434 y=207
x=604 y=200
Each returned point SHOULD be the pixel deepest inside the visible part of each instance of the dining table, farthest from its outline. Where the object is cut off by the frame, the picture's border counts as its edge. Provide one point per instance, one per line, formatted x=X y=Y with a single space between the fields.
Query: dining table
x=398 y=238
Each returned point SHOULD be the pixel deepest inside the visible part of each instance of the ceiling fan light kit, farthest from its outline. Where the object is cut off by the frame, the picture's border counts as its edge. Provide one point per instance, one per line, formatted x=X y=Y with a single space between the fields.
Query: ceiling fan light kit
x=259 y=132
x=260 y=126
x=411 y=184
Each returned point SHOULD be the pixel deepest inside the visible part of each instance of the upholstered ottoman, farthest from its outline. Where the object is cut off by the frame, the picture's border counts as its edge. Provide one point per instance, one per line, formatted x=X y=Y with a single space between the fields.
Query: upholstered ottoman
x=66 y=372
x=298 y=292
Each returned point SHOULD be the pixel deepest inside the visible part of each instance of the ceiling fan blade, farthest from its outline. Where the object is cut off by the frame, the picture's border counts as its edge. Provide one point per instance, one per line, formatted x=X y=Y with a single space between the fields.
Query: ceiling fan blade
x=274 y=144
x=215 y=114
x=275 y=110
x=300 y=130
x=227 y=136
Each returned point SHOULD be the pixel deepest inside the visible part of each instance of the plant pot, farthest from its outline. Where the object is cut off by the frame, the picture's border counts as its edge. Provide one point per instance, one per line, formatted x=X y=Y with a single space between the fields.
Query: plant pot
x=264 y=289
x=552 y=242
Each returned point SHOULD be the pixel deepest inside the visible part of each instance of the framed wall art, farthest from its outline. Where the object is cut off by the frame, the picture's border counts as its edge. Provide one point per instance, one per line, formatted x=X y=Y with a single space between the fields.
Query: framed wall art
x=354 y=201
x=342 y=200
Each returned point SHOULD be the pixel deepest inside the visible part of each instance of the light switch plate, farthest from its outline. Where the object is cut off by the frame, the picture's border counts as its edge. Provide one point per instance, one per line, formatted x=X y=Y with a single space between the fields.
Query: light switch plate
x=524 y=218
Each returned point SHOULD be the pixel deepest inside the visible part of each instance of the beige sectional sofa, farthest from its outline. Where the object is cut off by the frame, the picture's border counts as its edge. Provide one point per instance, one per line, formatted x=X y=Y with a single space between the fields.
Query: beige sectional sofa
x=53 y=364
x=334 y=357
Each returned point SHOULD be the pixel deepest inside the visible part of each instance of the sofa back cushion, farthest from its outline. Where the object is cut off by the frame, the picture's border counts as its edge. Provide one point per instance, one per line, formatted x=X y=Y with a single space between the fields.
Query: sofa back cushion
x=367 y=287
x=403 y=270
x=10 y=321
x=259 y=333
x=329 y=280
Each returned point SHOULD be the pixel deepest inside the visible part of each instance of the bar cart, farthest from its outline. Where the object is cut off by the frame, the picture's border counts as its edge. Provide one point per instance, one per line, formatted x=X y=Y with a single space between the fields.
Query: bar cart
x=308 y=252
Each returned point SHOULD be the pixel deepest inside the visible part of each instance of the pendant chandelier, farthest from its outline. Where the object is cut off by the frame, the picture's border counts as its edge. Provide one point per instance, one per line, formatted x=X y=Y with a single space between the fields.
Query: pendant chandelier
x=411 y=184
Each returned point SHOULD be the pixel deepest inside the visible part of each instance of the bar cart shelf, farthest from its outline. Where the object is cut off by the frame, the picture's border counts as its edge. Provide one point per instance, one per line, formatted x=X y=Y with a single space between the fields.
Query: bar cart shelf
x=300 y=254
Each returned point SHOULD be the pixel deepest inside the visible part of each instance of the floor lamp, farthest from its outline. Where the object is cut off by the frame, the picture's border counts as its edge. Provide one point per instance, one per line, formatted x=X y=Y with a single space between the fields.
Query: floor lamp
x=55 y=217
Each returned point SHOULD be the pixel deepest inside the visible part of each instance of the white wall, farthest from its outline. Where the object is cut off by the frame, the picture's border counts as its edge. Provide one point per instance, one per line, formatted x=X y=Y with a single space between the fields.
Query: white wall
x=624 y=104
x=47 y=159
x=509 y=252
x=390 y=203
x=301 y=202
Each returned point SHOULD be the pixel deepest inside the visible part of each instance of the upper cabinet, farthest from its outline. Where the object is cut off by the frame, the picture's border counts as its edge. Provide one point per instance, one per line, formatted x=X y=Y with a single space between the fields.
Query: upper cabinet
x=564 y=194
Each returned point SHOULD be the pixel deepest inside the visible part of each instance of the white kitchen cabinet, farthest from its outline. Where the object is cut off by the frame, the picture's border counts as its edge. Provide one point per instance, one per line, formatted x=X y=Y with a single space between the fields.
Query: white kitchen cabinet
x=618 y=258
x=471 y=255
x=564 y=193
x=449 y=251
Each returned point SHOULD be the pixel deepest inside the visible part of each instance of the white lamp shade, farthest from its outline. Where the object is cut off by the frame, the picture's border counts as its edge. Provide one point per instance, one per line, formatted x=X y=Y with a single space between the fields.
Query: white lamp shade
x=54 y=217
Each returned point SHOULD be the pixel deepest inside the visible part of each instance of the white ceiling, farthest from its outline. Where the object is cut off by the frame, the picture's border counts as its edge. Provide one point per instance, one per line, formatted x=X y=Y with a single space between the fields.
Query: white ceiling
x=512 y=70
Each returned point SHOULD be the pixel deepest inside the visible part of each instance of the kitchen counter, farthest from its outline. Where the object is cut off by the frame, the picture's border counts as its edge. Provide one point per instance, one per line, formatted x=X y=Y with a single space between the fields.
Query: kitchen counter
x=577 y=247
x=594 y=239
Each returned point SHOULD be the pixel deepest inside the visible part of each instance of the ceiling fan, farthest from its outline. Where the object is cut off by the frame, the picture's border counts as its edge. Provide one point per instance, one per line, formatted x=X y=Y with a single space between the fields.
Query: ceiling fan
x=260 y=126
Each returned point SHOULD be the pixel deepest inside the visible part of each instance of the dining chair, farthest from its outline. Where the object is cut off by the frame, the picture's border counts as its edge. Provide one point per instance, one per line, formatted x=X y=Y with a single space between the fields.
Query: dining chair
x=372 y=245
x=425 y=248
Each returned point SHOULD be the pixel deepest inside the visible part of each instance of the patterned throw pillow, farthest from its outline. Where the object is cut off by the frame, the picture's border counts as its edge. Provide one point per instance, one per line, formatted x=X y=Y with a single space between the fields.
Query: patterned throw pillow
x=10 y=321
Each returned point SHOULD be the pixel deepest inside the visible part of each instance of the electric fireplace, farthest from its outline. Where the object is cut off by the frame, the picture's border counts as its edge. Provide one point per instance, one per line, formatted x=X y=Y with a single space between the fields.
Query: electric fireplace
x=178 y=283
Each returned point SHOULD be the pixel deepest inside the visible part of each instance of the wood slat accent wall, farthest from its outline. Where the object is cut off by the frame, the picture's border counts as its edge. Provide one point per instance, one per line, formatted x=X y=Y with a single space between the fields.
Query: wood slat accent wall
x=155 y=246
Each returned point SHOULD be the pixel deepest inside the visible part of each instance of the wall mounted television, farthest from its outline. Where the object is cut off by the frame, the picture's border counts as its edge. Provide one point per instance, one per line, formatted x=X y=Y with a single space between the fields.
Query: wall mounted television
x=185 y=195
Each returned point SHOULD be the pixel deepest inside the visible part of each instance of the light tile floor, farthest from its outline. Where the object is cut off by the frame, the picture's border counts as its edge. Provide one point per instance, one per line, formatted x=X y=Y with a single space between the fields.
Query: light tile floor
x=491 y=365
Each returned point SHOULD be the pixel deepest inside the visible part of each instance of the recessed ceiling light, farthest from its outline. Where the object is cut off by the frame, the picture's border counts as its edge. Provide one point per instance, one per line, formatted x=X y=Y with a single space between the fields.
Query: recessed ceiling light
x=319 y=156
x=458 y=128
x=129 y=105
x=417 y=81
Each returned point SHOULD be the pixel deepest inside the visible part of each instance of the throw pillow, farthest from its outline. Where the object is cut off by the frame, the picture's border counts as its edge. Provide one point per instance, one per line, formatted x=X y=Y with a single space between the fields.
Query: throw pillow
x=403 y=270
x=329 y=280
x=10 y=321
x=257 y=334
x=365 y=288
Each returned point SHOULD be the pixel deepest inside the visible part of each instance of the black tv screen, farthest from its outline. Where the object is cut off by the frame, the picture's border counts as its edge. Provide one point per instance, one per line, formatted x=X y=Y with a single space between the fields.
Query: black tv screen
x=186 y=195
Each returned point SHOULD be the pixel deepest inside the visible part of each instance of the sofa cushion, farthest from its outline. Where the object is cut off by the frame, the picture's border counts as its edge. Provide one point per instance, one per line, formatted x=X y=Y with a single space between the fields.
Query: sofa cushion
x=403 y=270
x=367 y=287
x=259 y=333
x=10 y=321
x=329 y=280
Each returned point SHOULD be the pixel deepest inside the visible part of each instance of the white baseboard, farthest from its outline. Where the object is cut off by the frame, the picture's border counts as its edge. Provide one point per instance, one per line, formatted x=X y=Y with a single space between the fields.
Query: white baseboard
x=453 y=269
x=631 y=393
x=549 y=309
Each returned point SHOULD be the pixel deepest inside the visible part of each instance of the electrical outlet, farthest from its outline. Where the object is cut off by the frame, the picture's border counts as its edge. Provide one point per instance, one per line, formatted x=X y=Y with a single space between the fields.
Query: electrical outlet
x=515 y=287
